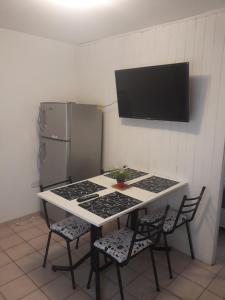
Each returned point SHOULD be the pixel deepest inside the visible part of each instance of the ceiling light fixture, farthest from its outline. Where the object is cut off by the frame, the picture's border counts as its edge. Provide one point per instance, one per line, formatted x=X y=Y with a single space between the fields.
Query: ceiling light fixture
x=82 y=3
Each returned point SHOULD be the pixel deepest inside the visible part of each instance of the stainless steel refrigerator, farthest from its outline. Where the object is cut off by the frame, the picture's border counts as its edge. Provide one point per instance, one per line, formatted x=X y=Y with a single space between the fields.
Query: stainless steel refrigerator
x=70 y=142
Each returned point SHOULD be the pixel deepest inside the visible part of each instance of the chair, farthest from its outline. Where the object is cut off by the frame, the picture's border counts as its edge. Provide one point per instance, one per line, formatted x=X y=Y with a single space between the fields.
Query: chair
x=124 y=244
x=176 y=218
x=129 y=217
x=70 y=229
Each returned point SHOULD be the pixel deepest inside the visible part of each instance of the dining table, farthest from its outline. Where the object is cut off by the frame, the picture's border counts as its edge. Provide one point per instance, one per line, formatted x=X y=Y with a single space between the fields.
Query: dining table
x=108 y=202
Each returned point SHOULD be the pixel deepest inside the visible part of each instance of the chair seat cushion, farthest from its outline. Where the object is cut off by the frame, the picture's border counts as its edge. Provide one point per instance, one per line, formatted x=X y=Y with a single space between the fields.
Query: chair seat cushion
x=170 y=219
x=71 y=227
x=117 y=244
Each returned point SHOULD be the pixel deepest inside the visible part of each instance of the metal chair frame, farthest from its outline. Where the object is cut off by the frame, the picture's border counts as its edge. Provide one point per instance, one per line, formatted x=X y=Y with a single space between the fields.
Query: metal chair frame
x=189 y=208
x=68 y=241
x=152 y=231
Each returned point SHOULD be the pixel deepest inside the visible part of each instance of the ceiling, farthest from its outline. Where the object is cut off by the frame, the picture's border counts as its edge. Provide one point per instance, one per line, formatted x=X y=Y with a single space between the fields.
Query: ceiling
x=50 y=19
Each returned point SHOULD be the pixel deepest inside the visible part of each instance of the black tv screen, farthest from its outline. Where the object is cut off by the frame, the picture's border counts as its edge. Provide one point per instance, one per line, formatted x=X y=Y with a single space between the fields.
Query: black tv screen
x=155 y=92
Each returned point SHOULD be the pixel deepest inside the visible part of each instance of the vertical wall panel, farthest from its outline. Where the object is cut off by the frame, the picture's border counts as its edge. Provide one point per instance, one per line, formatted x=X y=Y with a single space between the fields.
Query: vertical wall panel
x=193 y=150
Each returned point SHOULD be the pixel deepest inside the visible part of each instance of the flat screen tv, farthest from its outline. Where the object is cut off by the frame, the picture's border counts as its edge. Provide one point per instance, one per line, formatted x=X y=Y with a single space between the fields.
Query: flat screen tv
x=155 y=92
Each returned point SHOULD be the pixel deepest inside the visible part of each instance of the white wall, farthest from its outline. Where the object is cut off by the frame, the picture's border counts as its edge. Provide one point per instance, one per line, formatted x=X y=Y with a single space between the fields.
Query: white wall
x=32 y=70
x=191 y=150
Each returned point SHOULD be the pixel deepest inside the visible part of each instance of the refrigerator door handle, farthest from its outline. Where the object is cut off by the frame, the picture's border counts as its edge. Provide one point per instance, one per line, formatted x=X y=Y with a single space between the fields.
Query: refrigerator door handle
x=42 y=120
x=42 y=153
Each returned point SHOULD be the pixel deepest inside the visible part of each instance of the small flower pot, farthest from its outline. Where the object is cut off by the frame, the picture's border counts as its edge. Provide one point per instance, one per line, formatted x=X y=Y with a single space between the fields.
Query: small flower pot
x=120 y=183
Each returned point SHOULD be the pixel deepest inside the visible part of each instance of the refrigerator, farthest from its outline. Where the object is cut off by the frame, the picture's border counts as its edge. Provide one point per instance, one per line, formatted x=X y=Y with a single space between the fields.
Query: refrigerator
x=70 y=143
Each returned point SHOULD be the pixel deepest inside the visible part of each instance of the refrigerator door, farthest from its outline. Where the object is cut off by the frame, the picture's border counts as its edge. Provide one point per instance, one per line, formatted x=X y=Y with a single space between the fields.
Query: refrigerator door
x=54 y=156
x=86 y=141
x=54 y=120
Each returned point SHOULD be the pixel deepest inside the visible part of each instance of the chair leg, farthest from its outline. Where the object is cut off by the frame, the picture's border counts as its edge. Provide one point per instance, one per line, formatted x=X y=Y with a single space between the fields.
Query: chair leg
x=168 y=256
x=154 y=269
x=118 y=223
x=77 y=243
x=120 y=281
x=90 y=278
x=97 y=277
x=128 y=220
x=47 y=248
x=190 y=241
x=71 y=264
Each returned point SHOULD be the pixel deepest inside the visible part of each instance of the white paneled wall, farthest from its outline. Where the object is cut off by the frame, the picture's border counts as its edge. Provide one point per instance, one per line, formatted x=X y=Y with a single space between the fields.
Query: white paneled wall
x=193 y=150
x=33 y=69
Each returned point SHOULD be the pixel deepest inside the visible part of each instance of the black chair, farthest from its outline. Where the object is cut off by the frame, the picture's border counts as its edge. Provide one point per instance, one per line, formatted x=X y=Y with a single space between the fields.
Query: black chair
x=70 y=229
x=176 y=218
x=124 y=244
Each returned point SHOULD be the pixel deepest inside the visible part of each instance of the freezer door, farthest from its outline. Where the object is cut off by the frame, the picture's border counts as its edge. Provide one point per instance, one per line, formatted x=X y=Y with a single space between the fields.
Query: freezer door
x=53 y=161
x=54 y=120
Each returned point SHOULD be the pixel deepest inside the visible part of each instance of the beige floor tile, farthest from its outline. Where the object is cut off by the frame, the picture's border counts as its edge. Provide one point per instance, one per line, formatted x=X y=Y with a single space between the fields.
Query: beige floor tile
x=216 y=268
x=179 y=261
x=209 y=296
x=198 y=274
x=127 y=274
x=5 y=231
x=108 y=289
x=42 y=276
x=185 y=289
x=1 y=297
x=55 y=251
x=30 y=234
x=30 y=262
x=37 y=295
x=221 y=273
x=82 y=250
x=43 y=227
x=40 y=242
x=20 y=251
x=22 y=224
x=18 y=288
x=127 y=296
x=63 y=260
x=141 y=263
x=142 y=288
x=58 y=289
x=11 y=241
x=9 y=272
x=79 y=295
x=165 y=295
x=81 y=275
x=163 y=275
x=218 y=286
x=4 y=259
x=58 y=239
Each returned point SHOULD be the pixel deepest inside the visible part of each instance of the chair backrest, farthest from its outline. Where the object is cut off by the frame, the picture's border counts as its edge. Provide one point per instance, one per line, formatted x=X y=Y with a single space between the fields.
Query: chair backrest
x=189 y=207
x=148 y=231
x=44 y=202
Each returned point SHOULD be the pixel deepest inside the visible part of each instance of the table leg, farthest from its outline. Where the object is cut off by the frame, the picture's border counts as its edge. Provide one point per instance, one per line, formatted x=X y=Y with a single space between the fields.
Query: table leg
x=133 y=216
x=95 y=234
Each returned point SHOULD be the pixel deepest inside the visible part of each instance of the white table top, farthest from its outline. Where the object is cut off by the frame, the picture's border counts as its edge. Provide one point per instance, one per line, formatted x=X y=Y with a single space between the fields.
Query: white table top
x=145 y=196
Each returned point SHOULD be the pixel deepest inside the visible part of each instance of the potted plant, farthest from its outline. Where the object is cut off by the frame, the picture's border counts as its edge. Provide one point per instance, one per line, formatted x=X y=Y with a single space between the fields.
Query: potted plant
x=120 y=175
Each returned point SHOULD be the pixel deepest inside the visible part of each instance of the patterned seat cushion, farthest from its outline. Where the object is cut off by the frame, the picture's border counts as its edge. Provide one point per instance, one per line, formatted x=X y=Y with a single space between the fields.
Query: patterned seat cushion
x=71 y=227
x=117 y=244
x=170 y=219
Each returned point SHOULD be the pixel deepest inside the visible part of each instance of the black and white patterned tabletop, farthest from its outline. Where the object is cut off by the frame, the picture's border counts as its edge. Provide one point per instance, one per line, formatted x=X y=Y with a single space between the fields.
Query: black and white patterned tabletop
x=155 y=184
x=79 y=189
x=132 y=174
x=109 y=205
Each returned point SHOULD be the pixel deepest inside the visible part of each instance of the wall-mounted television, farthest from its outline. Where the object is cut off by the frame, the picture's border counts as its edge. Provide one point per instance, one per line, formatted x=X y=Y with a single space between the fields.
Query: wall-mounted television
x=155 y=92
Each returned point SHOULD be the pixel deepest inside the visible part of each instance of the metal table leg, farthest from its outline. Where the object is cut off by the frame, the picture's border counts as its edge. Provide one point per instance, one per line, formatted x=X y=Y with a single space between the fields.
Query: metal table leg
x=95 y=234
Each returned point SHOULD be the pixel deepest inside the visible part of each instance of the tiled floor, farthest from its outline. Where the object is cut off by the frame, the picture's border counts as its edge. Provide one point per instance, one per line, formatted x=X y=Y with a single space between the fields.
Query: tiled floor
x=22 y=245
